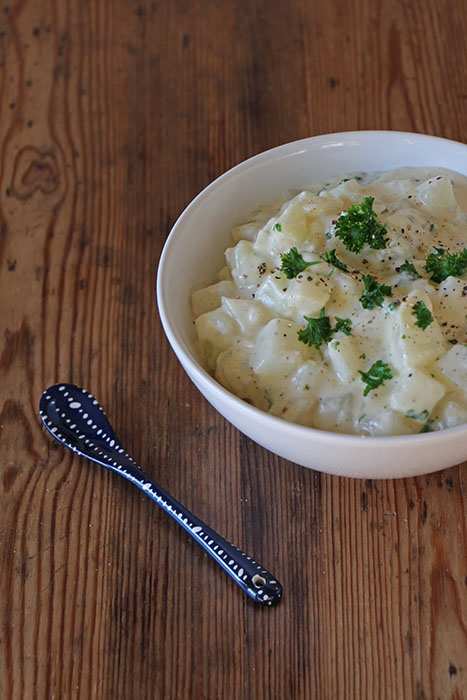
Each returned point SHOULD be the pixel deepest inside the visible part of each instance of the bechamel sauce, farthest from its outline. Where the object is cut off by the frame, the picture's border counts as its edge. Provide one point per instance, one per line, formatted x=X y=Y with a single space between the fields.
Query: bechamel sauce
x=248 y=320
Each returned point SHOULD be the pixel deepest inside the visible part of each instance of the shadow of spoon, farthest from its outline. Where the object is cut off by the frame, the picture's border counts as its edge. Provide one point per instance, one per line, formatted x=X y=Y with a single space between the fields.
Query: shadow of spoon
x=75 y=419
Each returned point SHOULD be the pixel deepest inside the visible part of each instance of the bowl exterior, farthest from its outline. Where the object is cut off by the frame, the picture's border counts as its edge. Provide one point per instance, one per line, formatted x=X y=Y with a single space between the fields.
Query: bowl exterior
x=194 y=252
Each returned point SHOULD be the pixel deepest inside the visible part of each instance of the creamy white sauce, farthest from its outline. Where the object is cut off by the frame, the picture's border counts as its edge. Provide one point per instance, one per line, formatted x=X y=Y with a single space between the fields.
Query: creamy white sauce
x=248 y=320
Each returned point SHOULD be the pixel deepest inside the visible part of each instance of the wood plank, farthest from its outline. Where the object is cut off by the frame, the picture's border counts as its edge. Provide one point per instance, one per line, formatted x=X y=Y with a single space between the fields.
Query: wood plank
x=113 y=116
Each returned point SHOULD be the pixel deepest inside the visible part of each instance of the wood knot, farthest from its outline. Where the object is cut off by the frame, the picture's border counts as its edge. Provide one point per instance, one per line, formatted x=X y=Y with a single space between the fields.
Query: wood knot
x=34 y=170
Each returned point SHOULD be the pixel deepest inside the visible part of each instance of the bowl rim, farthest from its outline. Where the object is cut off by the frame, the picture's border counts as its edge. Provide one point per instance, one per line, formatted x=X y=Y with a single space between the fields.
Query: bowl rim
x=187 y=359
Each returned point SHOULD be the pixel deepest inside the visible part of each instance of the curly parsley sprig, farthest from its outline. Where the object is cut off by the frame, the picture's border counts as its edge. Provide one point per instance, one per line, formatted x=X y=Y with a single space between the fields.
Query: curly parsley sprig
x=357 y=226
x=442 y=264
x=374 y=292
x=376 y=376
x=344 y=325
x=423 y=314
x=293 y=263
x=319 y=330
x=410 y=269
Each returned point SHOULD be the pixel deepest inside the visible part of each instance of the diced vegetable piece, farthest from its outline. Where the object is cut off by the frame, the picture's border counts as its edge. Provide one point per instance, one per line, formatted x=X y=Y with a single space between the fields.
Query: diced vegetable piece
x=215 y=331
x=307 y=294
x=350 y=192
x=245 y=265
x=412 y=346
x=249 y=315
x=437 y=196
x=416 y=394
x=209 y=298
x=293 y=223
x=272 y=293
x=453 y=364
x=343 y=354
x=277 y=351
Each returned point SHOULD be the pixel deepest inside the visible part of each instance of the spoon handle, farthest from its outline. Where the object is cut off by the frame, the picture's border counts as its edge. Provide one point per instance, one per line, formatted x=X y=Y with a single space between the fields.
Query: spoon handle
x=92 y=437
x=252 y=578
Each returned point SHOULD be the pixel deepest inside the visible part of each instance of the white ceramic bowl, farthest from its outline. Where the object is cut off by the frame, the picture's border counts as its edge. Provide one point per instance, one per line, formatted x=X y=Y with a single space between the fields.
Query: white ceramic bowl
x=193 y=254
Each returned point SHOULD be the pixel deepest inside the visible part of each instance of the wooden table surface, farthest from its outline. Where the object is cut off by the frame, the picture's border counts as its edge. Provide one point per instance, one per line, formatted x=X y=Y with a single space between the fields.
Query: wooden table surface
x=114 y=115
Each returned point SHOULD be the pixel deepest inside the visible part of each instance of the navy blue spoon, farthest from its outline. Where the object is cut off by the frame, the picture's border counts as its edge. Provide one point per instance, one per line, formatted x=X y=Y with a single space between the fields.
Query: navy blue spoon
x=75 y=419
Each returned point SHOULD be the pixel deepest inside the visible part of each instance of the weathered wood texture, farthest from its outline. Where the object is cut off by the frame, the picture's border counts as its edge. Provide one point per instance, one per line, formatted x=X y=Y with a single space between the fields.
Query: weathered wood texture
x=114 y=115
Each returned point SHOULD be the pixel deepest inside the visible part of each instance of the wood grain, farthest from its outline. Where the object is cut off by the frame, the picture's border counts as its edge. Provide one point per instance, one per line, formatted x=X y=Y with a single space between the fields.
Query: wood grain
x=113 y=115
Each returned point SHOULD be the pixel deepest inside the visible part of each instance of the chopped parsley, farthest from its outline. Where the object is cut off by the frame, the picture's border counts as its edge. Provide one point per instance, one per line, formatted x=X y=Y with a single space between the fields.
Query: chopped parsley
x=423 y=314
x=278 y=227
x=410 y=269
x=344 y=325
x=357 y=226
x=317 y=331
x=442 y=264
x=378 y=372
x=332 y=259
x=423 y=415
x=394 y=305
x=293 y=263
x=374 y=292
x=426 y=429
x=268 y=396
